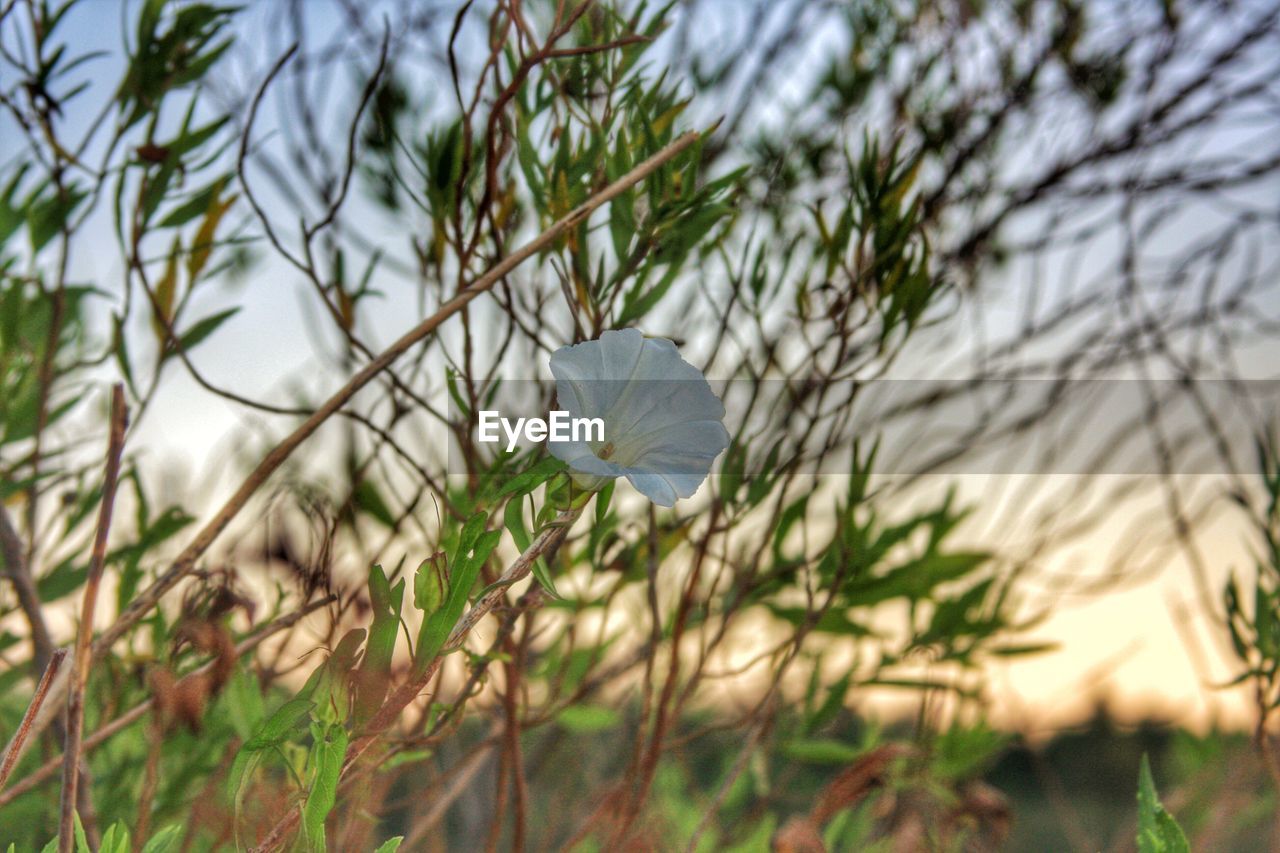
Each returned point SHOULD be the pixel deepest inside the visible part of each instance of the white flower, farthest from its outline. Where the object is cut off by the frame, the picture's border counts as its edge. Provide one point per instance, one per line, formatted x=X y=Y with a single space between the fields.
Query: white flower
x=663 y=425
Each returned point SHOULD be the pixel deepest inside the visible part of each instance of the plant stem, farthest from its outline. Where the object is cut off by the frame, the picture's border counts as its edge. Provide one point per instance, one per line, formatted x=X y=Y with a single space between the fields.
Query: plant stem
x=543 y=546
x=108 y=730
x=81 y=661
x=185 y=562
x=24 y=728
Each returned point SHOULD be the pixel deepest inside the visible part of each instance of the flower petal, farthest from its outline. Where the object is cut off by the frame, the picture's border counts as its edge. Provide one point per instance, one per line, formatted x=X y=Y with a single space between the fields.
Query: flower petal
x=580 y=457
x=696 y=439
x=578 y=371
x=654 y=487
x=672 y=404
x=663 y=422
x=620 y=352
x=684 y=474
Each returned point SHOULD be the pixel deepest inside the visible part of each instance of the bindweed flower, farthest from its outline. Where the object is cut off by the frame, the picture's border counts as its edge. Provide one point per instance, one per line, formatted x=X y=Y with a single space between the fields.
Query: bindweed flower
x=663 y=425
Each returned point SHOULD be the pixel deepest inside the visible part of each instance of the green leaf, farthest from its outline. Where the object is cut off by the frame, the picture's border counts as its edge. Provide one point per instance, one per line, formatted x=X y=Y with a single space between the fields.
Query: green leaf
x=46 y=217
x=391 y=845
x=792 y=514
x=273 y=733
x=587 y=719
x=120 y=349
x=327 y=754
x=165 y=840
x=471 y=531
x=62 y=580
x=1023 y=649
x=914 y=580
x=830 y=707
x=962 y=752
x=1158 y=832
x=387 y=601
x=430 y=584
x=82 y=840
x=830 y=622
x=12 y=215
x=155 y=186
x=189 y=140
x=474 y=547
x=451 y=382
x=603 y=498
x=529 y=479
x=513 y=520
x=820 y=751
x=513 y=516
x=332 y=680
x=367 y=498
x=375 y=671
x=200 y=202
x=542 y=574
x=278 y=726
x=204 y=328
x=638 y=302
x=244 y=703
x=115 y=839
x=203 y=242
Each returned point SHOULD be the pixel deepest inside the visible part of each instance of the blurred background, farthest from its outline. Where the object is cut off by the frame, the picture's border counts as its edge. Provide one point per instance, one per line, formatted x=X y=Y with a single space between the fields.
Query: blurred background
x=999 y=274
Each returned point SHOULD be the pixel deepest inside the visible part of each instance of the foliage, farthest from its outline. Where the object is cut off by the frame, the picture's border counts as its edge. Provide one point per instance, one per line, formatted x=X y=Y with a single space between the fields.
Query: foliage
x=1158 y=832
x=352 y=629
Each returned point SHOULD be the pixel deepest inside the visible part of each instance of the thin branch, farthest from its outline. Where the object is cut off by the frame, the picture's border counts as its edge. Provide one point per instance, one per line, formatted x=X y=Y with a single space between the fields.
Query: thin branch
x=82 y=661
x=463 y=776
x=739 y=765
x=185 y=562
x=544 y=546
x=24 y=728
x=50 y=768
x=19 y=573
x=370 y=89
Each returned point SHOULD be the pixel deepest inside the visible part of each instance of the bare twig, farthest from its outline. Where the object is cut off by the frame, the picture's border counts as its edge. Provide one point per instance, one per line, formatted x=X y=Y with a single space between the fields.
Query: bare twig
x=739 y=765
x=370 y=88
x=462 y=777
x=50 y=768
x=24 y=728
x=19 y=573
x=81 y=662
x=150 y=780
x=185 y=562
x=544 y=546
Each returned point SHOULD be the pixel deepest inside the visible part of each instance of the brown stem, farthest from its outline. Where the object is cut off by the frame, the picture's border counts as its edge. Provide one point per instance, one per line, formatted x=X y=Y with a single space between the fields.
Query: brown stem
x=665 y=712
x=19 y=573
x=519 y=786
x=545 y=545
x=150 y=780
x=463 y=775
x=738 y=767
x=50 y=768
x=24 y=728
x=185 y=562
x=80 y=664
